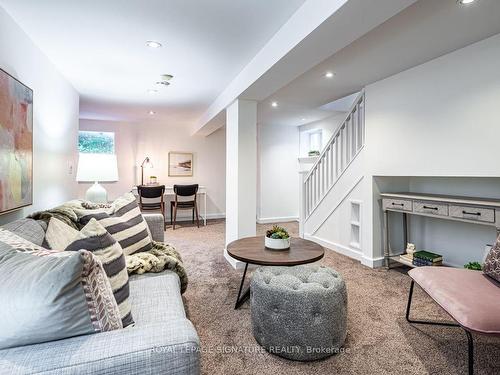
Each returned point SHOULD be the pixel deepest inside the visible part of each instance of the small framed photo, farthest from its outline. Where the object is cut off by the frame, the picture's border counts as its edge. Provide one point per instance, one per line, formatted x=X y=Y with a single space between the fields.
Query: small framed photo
x=180 y=164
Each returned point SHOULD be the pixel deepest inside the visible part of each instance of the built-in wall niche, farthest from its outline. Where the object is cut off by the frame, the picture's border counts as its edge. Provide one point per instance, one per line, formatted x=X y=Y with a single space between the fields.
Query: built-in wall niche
x=355 y=223
x=311 y=140
x=459 y=242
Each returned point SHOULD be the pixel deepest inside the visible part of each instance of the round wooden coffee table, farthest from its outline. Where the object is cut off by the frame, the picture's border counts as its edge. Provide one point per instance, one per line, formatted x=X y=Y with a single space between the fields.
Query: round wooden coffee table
x=251 y=250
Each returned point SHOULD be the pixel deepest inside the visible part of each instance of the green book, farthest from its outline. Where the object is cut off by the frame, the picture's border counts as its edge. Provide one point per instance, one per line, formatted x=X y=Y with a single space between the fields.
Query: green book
x=427 y=255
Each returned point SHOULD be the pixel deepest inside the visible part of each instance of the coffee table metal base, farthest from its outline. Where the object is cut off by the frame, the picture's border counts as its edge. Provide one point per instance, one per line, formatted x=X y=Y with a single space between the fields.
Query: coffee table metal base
x=246 y=295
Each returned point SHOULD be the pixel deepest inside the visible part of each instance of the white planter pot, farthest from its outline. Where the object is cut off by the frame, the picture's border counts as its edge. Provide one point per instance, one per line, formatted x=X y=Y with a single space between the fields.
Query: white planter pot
x=277 y=243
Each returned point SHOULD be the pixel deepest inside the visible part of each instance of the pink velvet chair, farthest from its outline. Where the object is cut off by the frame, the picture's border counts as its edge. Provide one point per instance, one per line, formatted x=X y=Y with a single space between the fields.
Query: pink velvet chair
x=471 y=298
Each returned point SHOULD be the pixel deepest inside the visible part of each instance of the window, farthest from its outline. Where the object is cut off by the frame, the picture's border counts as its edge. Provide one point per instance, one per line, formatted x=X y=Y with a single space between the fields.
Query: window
x=315 y=141
x=91 y=142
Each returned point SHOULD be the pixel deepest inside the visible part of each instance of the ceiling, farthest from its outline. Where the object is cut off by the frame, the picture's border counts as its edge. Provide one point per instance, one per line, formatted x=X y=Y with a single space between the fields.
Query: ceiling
x=99 y=46
x=421 y=32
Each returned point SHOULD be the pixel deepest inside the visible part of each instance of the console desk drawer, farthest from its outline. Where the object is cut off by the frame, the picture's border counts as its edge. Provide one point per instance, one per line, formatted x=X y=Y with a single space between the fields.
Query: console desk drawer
x=431 y=208
x=397 y=204
x=486 y=215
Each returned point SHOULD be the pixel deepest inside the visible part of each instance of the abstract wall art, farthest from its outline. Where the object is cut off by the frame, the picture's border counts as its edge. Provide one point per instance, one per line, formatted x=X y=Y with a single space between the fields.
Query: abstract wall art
x=16 y=144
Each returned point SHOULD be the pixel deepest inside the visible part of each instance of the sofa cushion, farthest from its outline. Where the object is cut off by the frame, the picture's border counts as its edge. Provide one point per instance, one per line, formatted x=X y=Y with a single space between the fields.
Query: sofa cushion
x=21 y=244
x=162 y=340
x=470 y=297
x=124 y=222
x=28 y=229
x=41 y=290
x=156 y=297
x=159 y=348
x=492 y=262
x=94 y=238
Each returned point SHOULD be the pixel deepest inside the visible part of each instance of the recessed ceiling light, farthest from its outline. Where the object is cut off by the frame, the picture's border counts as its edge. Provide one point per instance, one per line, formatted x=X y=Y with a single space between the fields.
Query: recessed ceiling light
x=152 y=91
x=329 y=74
x=303 y=119
x=465 y=2
x=153 y=44
x=152 y=113
x=274 y=104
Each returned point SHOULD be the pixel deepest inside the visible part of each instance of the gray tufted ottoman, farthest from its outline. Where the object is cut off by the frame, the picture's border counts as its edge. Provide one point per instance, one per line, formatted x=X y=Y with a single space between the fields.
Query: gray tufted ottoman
x=299 y=312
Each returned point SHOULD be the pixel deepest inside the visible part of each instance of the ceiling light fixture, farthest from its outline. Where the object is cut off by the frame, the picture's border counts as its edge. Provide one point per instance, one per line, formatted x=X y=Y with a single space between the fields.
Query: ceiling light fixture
x=153 y=44
x=152 y=91
x=152 y=113
x=274 y=104
x=329 y=74
x=465 y=2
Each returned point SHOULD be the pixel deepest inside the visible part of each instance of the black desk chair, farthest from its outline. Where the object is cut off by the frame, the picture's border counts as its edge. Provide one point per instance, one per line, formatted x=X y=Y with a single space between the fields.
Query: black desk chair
x=184 y=191
x=152 y=192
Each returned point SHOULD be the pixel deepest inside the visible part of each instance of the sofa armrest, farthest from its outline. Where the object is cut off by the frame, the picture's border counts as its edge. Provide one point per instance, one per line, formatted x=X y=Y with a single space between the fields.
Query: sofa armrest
x=156 y=226
x=170 y=347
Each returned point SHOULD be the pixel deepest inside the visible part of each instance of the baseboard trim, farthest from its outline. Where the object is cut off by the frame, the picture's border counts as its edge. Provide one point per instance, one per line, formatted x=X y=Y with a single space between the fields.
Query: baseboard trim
x=189 y=218
x=282 y=219
x=236 y=264
x=341 y=249
x=347 y=251
x=372 y=262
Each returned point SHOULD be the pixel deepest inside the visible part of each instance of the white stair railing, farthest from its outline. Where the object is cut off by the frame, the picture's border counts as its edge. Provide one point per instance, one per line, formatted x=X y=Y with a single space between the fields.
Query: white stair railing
x=340 y=151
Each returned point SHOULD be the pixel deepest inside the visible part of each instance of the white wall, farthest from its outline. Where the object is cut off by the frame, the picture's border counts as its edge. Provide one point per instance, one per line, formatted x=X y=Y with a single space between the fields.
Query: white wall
x=278 y=192
x=55 y=121
x=134 y=141
x=327 y=127
x=438 y=119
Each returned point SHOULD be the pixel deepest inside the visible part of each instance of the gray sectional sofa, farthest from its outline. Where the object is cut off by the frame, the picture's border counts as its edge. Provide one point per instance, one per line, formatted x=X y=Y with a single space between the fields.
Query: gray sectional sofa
x=163 y=340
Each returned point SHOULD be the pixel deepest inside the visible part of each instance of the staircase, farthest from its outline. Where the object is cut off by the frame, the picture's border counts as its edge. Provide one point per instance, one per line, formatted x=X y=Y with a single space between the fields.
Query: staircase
x=331 y=190
x=340 y=151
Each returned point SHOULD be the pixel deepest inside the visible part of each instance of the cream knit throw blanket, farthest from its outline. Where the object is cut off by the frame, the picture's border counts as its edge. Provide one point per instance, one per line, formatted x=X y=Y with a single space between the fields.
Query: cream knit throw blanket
x=161 y=257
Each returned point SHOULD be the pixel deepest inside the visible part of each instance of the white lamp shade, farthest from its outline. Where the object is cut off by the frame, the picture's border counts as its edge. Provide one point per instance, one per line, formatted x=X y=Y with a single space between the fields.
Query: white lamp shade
x=97 y=168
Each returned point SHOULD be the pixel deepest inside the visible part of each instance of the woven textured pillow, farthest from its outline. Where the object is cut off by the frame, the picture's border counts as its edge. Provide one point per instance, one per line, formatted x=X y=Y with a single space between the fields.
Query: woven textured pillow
x=42 y=289
x=21 y=244
x=94 y=238
x=492 y=263
x=124 y=222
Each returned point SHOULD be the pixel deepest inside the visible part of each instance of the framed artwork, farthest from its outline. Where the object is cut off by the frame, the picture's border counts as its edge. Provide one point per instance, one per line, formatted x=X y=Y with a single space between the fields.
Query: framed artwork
x=16 y=144
x=180 y=164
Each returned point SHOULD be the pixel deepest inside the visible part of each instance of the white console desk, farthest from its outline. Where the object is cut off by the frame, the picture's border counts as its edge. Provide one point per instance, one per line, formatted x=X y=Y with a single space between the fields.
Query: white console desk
x=482 y=211
x=169 y=194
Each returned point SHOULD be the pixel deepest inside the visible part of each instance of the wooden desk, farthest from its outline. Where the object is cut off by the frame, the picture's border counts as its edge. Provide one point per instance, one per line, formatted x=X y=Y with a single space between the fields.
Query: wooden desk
x=169 y=192
x=484 y=211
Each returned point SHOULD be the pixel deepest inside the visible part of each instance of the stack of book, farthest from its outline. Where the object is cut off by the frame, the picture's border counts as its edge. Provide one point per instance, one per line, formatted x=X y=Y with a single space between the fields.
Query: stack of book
x=426 y=258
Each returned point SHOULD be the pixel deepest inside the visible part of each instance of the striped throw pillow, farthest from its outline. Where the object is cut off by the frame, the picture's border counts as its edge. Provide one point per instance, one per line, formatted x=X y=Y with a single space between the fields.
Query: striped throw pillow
x=94 y=237
x=124 y=222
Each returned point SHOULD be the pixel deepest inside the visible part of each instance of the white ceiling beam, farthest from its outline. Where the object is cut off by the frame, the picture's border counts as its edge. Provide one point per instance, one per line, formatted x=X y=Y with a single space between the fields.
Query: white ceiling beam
x=317 y=30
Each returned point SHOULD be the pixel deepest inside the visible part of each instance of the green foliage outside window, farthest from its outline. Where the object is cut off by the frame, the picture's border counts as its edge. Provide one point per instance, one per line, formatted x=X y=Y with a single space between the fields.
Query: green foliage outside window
x=96 y=142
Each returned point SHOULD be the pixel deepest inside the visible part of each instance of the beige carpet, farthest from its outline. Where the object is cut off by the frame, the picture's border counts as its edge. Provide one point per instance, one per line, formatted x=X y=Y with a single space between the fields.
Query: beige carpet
x=379 y=339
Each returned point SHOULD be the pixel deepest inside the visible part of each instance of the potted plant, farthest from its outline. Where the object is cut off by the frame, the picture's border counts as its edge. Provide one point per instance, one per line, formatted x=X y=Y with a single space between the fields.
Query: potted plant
x=476 y=266
x=277 y=238
x=313 y=153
